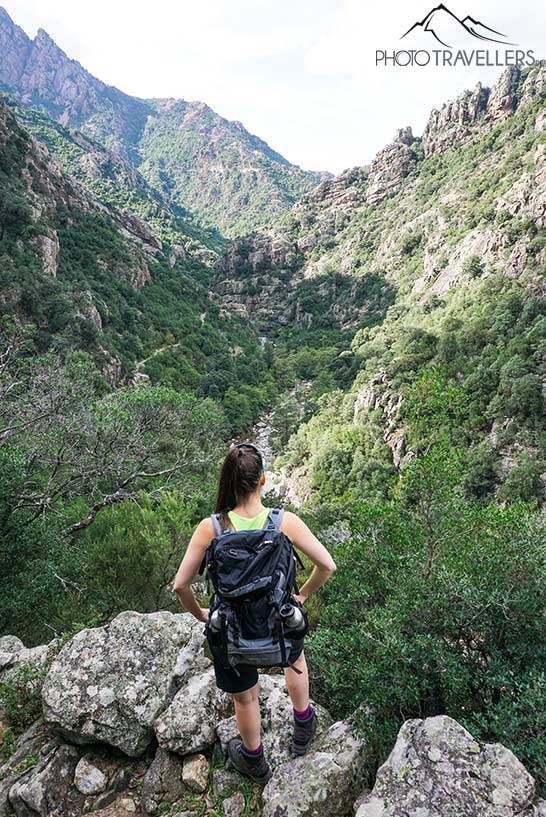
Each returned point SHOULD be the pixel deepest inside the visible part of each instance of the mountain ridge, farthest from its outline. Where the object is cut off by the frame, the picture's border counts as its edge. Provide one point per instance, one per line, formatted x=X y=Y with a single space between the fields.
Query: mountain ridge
x=231 y=179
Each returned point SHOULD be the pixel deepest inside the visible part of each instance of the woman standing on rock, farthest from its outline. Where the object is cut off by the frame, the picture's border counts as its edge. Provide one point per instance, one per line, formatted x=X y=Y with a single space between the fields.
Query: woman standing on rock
x=239 y=508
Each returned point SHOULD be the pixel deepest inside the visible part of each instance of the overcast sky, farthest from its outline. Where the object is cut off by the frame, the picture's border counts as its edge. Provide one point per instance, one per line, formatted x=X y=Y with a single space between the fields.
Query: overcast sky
x=300 y=74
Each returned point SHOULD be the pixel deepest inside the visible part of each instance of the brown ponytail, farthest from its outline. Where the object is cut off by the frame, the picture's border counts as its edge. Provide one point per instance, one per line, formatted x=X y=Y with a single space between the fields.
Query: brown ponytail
x=239 y=477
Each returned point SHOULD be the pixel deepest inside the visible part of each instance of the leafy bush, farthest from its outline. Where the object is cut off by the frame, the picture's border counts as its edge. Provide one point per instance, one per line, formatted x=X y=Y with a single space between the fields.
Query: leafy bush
x=437 y=606
x=518 y=721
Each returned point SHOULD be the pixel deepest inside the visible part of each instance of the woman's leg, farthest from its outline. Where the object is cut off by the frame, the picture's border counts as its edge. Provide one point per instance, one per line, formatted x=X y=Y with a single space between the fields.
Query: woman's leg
x=298 y=685
x=247 y=711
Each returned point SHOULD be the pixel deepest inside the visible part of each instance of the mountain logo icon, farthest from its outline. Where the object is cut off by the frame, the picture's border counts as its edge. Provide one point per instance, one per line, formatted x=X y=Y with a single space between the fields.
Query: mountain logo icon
x=444 y=25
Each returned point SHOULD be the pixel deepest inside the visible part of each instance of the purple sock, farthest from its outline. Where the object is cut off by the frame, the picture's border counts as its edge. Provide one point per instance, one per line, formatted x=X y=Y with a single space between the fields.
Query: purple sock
x=304 y=714
x=253 y=752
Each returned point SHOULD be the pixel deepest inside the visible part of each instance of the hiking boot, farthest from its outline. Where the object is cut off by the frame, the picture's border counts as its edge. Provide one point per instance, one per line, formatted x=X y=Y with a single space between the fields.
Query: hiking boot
x=304 y=732
x=257 y=768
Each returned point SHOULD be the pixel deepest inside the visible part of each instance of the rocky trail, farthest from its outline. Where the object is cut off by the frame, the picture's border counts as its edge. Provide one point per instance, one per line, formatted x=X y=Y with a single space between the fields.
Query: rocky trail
x=133 y=724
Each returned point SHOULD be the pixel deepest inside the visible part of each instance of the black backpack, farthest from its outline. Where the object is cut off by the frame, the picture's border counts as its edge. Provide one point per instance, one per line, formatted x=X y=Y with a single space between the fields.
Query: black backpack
x=253 y=616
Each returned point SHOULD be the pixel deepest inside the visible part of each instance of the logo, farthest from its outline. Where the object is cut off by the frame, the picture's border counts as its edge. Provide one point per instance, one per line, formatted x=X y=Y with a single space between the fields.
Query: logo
x=440 y=21
x=460 y=40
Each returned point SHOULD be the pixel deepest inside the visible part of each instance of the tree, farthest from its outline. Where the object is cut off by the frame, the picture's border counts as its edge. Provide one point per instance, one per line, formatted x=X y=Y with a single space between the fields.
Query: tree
x=104 y=448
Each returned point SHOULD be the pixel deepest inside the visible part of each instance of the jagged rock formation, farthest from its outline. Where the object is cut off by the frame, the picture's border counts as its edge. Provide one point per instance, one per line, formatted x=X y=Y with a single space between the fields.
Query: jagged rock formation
x=391 y=166
x=322 y=784
x=121 y=673
x=201 y=162
x=46 y=189
x=264 y=274
x=474 y=112
x=452 y=213
x=115 y=281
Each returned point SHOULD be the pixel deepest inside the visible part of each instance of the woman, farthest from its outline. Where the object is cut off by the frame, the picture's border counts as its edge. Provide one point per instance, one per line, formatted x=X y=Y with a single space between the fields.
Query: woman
x=239 y=501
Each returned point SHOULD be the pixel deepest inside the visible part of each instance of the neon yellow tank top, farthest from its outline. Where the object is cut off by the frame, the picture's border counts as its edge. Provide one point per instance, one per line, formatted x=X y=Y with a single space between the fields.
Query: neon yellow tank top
x=244 y=523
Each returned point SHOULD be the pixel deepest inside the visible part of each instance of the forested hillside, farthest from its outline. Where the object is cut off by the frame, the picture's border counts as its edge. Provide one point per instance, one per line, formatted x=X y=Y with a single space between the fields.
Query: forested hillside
x=204 y=165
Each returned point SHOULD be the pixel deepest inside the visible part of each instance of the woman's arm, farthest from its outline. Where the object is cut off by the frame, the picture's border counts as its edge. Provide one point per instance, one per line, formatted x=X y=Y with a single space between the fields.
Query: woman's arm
x=189 y=568
x=306 y=541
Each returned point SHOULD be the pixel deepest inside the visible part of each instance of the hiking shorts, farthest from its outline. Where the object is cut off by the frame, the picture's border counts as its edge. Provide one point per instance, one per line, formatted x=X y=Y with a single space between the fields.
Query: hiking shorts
x=229 y=681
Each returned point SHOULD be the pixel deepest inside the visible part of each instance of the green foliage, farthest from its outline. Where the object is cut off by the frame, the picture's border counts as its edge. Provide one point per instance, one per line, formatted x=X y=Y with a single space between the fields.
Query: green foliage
x=20 y=696
x=437 y=606
x=518 y=721
x=113 y=181
x=473 y=266
x=131 y=553
x=138 y=463
x=202 y=163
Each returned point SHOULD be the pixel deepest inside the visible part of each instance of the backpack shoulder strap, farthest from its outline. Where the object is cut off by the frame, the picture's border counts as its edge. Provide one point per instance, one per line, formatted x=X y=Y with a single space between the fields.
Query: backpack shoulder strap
x=217 y=522
x=274 y=519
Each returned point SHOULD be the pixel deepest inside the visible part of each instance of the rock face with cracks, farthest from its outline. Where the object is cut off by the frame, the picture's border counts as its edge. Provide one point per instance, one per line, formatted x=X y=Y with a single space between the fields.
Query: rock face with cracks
x=114 y=685
x=110 y=683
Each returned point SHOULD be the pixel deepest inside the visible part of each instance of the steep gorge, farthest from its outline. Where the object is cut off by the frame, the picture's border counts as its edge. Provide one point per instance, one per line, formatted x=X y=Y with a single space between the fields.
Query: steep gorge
x=435 y=233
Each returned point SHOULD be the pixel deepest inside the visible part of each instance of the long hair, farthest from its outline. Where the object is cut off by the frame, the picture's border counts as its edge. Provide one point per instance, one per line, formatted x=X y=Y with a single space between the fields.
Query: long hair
x=240 y=475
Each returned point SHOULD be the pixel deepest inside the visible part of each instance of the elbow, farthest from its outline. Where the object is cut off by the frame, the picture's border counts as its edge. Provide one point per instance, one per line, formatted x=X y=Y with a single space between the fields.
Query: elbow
x=330 y=568
x=179 y=586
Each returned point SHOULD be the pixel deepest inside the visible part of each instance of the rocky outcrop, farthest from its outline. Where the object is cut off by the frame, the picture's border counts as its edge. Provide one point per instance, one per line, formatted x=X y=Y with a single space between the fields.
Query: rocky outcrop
x=503 y=100
x=48 y=785
x=474 y=112
x=453 y=123
x=110 y=683
x=162 y=783
x=189 y=723
x=437 y=769
x=391 y=166
x=378 y=395
x=48 y=248
x=38 y=72
x=276 y=713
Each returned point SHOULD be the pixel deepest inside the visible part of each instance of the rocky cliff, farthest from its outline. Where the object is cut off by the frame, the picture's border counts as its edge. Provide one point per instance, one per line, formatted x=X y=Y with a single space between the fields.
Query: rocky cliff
x=44 y=191
x=97 y=277
x=133 y=724
x=339 y=228
x=232 y=180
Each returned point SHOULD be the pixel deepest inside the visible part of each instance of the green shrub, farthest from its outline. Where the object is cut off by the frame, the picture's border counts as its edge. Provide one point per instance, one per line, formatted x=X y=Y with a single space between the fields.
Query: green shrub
x=518 y=721
x=20 y=696
x=437 y=606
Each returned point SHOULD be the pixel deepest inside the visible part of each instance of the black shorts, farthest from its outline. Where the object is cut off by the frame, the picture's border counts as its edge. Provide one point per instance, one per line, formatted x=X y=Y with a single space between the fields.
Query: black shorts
x=229 y=681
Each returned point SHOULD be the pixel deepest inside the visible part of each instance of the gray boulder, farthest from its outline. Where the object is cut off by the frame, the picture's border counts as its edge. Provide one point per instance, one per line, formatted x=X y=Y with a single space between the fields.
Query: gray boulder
x=25 y=666
x=189 y=722
x=277 y=720
x=234 y=806
x=323 y=783
x=48 y=785
x=88 y=778
x=437 y=769
x=195 y=773
x=26 y=749
x=110 y=683
x=162 y=782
